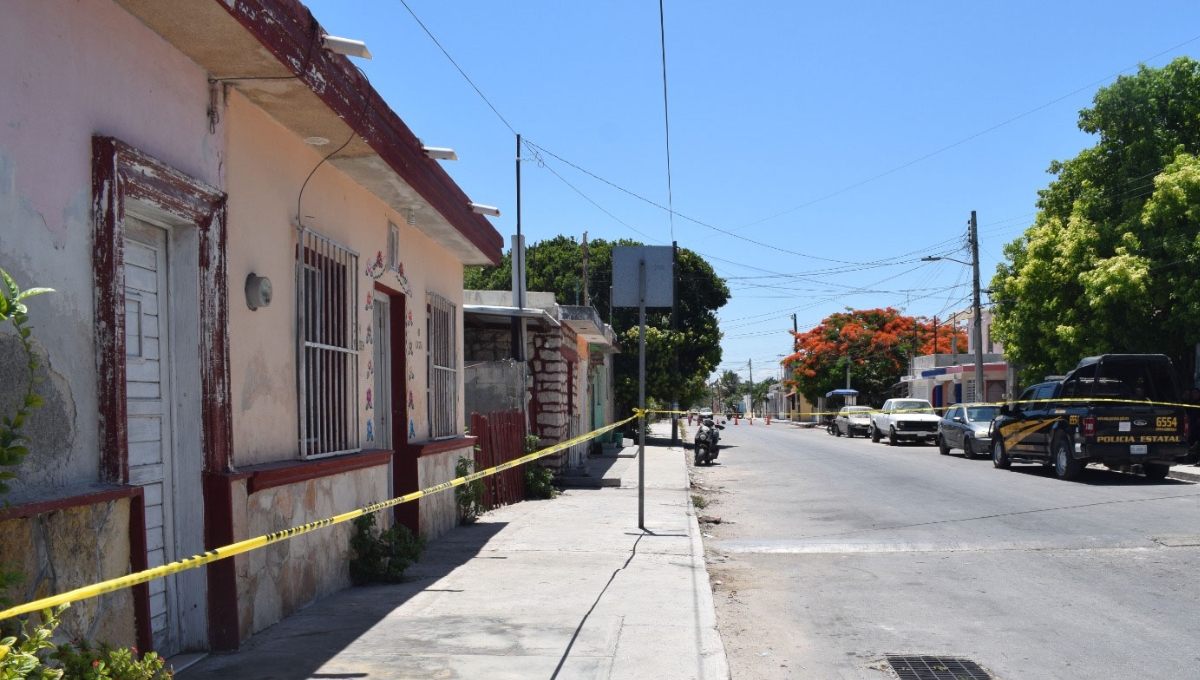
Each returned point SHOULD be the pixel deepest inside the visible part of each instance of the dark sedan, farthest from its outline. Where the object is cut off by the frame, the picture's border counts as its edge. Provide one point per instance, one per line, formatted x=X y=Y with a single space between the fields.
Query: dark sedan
x=966 y=427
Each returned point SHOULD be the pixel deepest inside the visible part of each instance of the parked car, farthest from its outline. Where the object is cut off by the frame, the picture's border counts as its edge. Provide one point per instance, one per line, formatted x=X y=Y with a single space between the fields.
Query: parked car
x=1115 y=409
x=905 y=420
x=853 y=419
x=967 y=427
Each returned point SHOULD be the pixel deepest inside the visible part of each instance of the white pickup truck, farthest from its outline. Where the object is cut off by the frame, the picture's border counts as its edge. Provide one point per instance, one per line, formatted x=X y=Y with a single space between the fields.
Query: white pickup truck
x=905 y=419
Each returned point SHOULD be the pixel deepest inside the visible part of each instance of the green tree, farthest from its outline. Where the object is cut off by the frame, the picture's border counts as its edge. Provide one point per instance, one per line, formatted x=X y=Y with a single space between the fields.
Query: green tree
x=1110 y=262
x=731 y=389
x=758 y=394
x=556 y=265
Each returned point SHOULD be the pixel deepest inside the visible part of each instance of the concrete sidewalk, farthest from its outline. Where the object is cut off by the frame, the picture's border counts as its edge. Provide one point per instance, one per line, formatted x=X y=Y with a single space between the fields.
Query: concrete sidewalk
x=565 y=588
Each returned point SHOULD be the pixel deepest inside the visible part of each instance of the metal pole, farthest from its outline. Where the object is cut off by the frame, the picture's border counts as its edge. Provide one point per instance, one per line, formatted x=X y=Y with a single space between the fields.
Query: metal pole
x=751 y=388
x=642 y=394
x=977 y=331
x=520 y=258
x=675 y=329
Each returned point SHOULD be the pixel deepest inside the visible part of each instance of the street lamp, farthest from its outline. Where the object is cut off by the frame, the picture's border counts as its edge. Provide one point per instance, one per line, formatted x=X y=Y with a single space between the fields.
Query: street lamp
x=977 y=328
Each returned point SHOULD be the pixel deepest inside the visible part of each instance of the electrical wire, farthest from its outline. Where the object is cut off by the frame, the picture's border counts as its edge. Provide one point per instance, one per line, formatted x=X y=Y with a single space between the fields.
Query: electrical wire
x=361 y=117
x=460 y=70
x=964 y=140
x=662 y=33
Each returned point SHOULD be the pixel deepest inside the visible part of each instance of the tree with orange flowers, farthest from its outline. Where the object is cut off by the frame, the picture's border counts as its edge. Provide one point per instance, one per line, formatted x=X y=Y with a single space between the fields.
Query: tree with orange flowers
x=876 y=343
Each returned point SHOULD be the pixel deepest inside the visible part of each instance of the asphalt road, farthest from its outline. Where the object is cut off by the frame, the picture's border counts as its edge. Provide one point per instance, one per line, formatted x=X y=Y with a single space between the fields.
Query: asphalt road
x=841 y=551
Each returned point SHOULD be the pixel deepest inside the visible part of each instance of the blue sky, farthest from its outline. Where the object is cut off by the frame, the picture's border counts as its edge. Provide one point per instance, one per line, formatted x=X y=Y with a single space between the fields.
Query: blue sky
x=784 y=116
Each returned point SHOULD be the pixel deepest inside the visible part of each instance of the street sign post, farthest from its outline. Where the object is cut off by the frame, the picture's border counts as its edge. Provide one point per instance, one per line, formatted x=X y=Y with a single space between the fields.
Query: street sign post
x=642 y=277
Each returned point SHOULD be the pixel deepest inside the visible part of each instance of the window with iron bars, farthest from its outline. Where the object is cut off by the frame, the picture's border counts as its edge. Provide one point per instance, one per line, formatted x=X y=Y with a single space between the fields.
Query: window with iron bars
x=327 y=346
x=443 y=368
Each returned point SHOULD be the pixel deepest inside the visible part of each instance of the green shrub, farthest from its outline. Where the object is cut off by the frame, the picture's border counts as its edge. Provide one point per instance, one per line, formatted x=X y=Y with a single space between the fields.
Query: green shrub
x=470 y=495
x=531 y=443
x=539 y=482
x=28 y=655
x=382 y=557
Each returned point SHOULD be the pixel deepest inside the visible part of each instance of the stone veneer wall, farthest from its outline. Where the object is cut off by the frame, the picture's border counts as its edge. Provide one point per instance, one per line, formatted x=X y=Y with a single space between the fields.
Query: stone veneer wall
x=487 y=344
x=548 y=415
x=439 y=512
x=276 y=581
x=71 y=548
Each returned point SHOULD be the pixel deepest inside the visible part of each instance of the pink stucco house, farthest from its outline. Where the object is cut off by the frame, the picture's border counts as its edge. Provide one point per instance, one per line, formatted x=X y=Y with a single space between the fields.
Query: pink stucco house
x=160 y=162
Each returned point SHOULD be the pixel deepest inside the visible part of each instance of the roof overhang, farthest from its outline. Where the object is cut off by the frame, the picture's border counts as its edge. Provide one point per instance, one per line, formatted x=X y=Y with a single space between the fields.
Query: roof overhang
x=493 y=314
x=270 y=40
x=585 y=321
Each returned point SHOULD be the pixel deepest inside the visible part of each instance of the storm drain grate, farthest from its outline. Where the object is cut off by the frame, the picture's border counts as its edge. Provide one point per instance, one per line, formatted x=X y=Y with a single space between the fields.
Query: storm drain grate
x=936 y=668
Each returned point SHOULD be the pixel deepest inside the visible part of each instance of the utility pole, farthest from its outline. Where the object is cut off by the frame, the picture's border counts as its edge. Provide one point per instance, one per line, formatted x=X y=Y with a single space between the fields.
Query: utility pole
x=977 y=334
x=675 y=329
x=791 y=369
x=751 y=387
x=586 y=299
x=935 y=324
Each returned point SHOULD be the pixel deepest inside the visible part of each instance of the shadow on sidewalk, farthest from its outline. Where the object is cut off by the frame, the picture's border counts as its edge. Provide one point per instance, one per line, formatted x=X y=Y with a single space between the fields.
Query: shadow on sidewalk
x=302 y=643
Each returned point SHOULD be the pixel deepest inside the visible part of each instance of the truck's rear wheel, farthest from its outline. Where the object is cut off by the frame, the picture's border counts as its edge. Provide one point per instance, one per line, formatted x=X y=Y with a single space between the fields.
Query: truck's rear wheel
x=1155 y=470
x=874 y=433
x=999 y=457
x=1066 y=465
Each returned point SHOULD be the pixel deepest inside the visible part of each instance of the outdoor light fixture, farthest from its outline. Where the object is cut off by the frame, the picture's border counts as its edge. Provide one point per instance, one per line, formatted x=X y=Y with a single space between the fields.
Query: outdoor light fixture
x=439 y=153
x=485 y=209
x=346 y=46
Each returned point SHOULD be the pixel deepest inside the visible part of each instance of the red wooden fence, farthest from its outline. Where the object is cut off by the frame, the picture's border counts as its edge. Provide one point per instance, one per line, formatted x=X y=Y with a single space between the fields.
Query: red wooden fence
x=501 y=439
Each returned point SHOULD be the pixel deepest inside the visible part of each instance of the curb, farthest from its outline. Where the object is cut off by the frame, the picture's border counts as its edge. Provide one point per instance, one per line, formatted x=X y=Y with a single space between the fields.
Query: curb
x=713 y=660
x=1192 y=474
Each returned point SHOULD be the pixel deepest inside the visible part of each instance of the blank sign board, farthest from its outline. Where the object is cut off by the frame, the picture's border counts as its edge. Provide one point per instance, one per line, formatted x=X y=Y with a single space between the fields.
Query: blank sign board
x=627 y=261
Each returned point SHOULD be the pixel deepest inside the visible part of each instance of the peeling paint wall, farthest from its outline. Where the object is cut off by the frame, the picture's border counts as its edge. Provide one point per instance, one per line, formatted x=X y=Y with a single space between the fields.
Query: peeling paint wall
x=72 y=69
x=267 y=166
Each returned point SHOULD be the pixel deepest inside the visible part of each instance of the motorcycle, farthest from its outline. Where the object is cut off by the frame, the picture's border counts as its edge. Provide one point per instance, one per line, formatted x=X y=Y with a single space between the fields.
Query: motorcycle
x=831 y=426
x=705 y=446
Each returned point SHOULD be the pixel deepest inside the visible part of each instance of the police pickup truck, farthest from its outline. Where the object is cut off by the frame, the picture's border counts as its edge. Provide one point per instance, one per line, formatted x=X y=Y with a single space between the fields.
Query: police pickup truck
x=1117 y=409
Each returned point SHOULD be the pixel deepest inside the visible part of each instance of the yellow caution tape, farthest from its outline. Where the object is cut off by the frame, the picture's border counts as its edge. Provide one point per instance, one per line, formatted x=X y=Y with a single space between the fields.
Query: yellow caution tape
x=249 y=544
x=1075 y=400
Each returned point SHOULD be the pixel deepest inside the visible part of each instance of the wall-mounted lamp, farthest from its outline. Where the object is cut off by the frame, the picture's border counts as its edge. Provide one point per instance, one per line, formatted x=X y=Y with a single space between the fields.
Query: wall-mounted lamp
x=346 y=46
x=482 y=209
x=439 y=153
x=258 y=291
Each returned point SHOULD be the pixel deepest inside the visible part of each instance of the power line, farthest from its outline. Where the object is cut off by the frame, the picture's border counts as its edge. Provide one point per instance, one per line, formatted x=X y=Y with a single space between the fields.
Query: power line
x=461 y=72
x=964 y=140
x=662 y=35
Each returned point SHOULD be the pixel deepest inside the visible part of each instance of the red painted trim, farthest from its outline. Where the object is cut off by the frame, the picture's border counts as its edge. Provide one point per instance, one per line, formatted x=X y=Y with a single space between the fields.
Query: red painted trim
x=391 y=292
x=287 y=29
x=271 y=475
x=404 y=467
x=108 y=263
x=422 y=449
x=139 y=561
x=224 y=631
x=92 y=497
x=120 y=173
